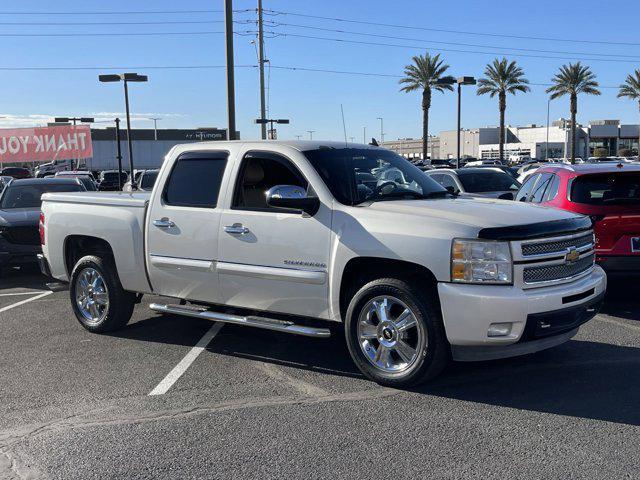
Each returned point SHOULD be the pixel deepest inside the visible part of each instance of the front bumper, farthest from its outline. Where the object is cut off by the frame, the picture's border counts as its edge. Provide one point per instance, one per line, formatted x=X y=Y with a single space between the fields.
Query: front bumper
x=469 y=310
x=12 y=255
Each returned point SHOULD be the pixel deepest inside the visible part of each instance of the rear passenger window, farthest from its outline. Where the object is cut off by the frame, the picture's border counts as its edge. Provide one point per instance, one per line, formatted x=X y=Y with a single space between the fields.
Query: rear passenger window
x=195 y=180
x=552 y=191
x=541 y=188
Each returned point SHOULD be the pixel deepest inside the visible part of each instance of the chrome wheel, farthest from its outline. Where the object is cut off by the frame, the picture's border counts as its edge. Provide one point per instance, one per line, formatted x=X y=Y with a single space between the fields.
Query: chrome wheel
x=389 y=335
x=92 y=296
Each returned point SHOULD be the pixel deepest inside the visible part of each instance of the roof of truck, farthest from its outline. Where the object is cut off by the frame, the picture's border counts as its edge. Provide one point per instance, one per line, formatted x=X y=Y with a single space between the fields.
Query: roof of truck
x=301 y=145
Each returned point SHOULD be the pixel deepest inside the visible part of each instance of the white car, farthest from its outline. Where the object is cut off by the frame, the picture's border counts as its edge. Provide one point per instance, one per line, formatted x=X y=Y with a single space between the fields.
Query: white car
x=292 y=236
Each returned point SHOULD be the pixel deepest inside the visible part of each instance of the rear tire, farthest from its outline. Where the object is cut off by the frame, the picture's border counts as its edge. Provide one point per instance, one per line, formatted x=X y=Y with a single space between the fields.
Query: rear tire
x=98 y=300
x=395 y=333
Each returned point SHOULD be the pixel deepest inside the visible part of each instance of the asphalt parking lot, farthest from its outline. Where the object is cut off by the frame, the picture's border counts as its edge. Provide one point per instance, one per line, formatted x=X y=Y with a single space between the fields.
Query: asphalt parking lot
x=259 y=404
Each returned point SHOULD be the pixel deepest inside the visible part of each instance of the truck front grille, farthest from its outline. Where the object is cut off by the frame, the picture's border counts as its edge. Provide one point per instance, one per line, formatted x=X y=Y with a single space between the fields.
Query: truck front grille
x=22 y=235
x=557 y=246
x=554 y=273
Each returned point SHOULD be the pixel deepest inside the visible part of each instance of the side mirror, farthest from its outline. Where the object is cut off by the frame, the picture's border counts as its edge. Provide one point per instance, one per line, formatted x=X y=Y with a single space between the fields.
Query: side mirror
x=506 y=196
x=291 y=197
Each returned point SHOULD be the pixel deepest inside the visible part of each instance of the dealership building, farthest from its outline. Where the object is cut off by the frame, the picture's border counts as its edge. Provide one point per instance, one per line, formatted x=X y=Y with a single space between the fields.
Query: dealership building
x=530 y=140
x=148 y=152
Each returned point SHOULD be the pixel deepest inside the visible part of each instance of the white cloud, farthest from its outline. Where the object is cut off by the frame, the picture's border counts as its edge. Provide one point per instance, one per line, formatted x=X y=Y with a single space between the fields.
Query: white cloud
x=8 y=120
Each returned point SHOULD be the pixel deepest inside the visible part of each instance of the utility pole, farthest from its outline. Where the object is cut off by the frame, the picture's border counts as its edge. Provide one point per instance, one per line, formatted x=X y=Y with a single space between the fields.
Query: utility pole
x=231 y=94
x=263 y=126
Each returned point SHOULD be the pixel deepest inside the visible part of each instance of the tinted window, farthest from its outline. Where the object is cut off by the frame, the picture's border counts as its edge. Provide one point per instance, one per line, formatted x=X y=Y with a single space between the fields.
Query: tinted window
x=357 y=175
x=148 y=180
x=487 y=181
x=195 y=180
x=28 y=196
x=444 y=180
x=258 y=173
x=607 y=189
x=552 y=191
x=525 y=190
x=541 y=188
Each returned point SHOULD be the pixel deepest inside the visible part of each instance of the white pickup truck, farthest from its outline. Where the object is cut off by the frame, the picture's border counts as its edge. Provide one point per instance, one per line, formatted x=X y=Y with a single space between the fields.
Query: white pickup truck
x=288 y=236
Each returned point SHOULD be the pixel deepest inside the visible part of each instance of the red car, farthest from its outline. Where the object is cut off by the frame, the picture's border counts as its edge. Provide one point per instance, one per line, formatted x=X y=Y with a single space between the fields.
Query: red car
x=608 y=193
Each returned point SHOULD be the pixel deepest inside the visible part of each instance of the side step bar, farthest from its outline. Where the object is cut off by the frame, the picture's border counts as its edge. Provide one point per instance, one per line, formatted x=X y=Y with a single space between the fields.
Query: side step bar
x=250 y=321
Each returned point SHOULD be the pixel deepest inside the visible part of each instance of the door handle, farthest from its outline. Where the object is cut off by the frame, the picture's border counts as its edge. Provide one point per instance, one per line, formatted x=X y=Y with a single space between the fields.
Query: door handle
x=163 y=223
x=236 y=229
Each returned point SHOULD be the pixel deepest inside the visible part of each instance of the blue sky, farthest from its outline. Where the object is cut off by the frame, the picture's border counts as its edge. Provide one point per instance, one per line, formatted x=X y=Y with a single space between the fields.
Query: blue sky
x=197 y=97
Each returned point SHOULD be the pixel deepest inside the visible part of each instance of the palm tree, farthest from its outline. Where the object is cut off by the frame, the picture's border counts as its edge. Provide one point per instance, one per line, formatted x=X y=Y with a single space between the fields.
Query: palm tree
x=631 y=89
x=502 y=77
x=572 y=80
x=426 y=73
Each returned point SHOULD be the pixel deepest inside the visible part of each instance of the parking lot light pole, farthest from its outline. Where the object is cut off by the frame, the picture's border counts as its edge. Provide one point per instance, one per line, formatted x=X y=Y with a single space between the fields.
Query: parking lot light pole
x=73 y=121
x=155 y=126
x=119 y=154
x=461 y=81
x=271 y=121
x=546 y=145
x=126 y=78
x=381 y=129
x=310 y=132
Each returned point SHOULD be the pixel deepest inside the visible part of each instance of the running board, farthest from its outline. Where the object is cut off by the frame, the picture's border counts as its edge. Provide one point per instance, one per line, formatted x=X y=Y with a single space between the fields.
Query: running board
x=249 y=321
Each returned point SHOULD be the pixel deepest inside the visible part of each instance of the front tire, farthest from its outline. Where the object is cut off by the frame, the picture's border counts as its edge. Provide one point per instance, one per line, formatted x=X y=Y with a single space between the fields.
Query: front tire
x=98 y=300
x=395 y=333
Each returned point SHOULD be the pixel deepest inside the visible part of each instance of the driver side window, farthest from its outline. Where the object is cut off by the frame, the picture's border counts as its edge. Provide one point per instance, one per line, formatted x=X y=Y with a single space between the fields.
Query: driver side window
x=258 y=173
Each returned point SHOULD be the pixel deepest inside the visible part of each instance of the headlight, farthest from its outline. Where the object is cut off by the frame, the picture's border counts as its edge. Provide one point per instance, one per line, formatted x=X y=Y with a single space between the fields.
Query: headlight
x=481 y=261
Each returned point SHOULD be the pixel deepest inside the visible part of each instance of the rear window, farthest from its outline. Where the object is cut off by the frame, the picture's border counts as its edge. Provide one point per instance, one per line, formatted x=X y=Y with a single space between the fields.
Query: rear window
x=28 y=196
x=478 y=182
x=148 y=180
x=607 y=189
x=195 y=180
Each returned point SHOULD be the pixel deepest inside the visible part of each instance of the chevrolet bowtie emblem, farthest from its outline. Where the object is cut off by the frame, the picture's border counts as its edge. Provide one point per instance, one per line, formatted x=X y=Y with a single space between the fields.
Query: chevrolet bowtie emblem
x=572 y=255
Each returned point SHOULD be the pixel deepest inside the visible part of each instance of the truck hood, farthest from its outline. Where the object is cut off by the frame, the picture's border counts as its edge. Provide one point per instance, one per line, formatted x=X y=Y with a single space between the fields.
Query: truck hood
x=474 y=212
x=19 y=217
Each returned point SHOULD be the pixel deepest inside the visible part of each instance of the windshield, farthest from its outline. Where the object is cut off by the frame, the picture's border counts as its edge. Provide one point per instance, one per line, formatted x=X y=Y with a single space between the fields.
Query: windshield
x=28 y=196
x=113 y=176
x=484 y=181
x=369 y=175
x=607 y=189
x=148 y=180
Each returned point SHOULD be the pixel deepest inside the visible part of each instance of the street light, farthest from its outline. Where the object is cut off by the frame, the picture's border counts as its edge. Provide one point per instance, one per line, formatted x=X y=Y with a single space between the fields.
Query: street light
x=460 y=81
x=364 y=135
x=310 y=132
x=126 y=78
x=381 y=129
x=546 y=145
x=155 y=126
x=271 y=121
x=73 y=120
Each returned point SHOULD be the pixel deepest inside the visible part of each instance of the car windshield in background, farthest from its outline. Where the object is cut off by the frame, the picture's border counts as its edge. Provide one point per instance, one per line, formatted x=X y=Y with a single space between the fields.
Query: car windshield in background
x=148 y=180
x=87 y=182
x=607 y=189
x=369 y=175
x=113 y=176
x=28 y=196
x=487 y=181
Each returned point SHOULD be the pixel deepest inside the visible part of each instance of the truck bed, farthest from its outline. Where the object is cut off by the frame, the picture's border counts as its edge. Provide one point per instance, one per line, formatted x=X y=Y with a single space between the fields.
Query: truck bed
x=86 y=214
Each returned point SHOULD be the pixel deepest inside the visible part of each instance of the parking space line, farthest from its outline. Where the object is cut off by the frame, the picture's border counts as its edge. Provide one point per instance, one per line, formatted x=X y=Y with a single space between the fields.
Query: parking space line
x=22 y=302
x=188 y=359
x=19 y=293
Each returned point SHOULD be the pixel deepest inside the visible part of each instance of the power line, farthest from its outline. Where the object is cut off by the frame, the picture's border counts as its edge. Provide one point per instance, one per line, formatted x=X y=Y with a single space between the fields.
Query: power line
x=160 y=22
x=148 y=12
x=120 y=34
x=420 y=47
x=441 y=30
x=376 y=35
x=198 y=67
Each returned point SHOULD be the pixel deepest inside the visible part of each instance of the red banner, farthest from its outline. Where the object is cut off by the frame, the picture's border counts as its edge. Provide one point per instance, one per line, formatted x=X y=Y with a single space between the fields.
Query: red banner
x=45 y=143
